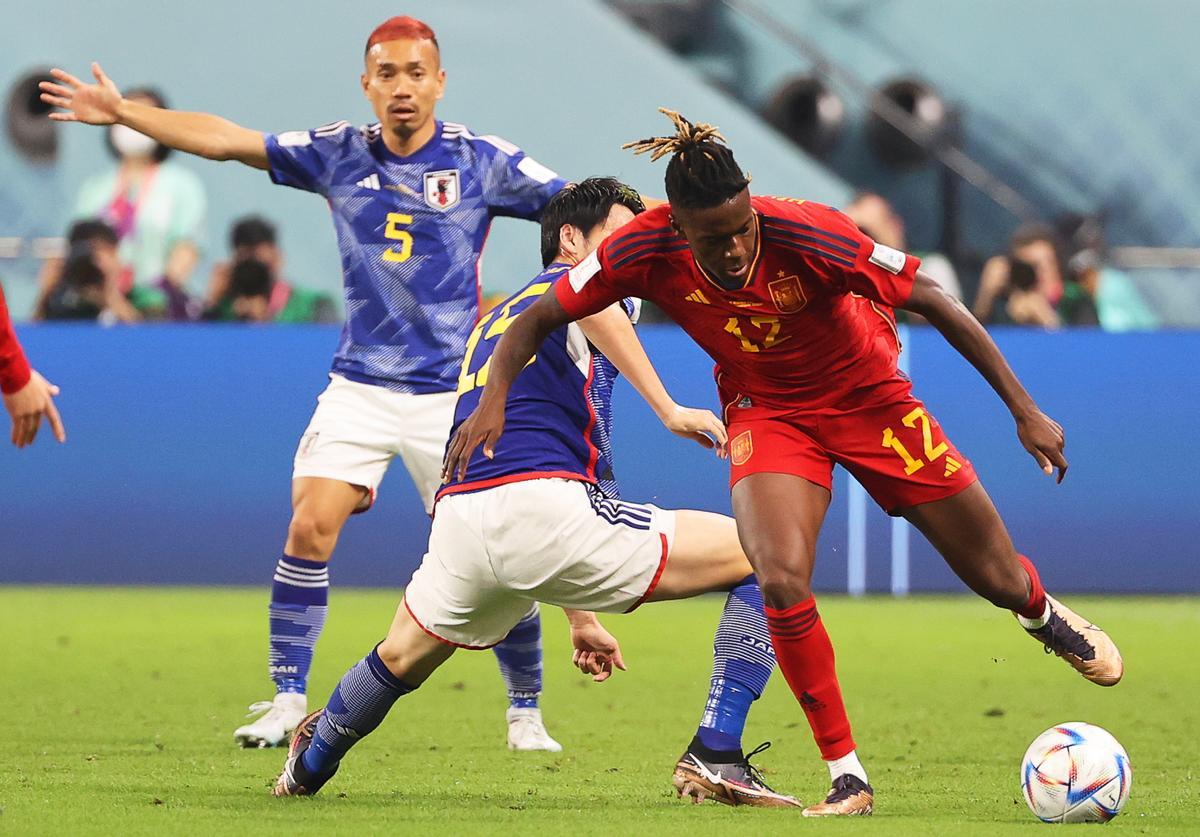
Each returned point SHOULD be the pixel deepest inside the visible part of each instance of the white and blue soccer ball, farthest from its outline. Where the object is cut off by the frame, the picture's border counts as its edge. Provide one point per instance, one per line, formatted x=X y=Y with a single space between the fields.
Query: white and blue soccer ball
x=1076 y=772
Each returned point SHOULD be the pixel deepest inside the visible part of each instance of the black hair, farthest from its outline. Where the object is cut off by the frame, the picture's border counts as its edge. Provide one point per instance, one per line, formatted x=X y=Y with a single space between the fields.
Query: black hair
x=251 y=231
x=250 y=277
x=89 y=230
x=161 y=152
x=702 y=172
x=584 y=205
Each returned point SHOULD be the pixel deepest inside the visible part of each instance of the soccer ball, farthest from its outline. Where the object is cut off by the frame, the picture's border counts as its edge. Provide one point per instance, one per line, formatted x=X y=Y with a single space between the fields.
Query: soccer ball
x=1076 y=772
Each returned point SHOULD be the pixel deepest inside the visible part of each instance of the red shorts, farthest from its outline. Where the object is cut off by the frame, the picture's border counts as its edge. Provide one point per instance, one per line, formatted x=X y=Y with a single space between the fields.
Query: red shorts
x=897 y=451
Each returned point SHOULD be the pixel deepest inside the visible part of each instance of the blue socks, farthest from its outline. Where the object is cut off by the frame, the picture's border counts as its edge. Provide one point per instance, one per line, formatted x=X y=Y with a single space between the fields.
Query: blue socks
x=743 y=660
x=359 y=703
x=299 y=602
x=520 y=658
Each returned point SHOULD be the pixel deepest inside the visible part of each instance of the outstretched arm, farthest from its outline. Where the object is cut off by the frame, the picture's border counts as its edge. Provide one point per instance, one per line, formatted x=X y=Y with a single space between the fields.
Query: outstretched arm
x=202 y=134
x=1041 y=435
x=514 y=350
x=612 y=333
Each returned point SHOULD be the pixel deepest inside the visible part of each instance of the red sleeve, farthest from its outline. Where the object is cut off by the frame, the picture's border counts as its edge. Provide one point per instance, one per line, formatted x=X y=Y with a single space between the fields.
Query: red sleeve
x=14 y=368
x=593 y=285
x=859 y=265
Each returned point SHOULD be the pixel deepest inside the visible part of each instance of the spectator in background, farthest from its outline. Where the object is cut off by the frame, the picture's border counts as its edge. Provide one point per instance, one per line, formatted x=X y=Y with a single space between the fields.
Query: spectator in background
x=251 y=287
x=157 y=210
x=1097 y=294
x=84 y=285
x=1023 y=287
x=874 y=215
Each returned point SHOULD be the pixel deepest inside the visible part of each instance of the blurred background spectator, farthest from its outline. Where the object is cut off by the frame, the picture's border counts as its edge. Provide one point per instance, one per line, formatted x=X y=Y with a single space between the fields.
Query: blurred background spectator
x=85 y=284
x=157 y=209
x=1023 y=287
x=1097 y=293
x=251 y=288
x=875 y=216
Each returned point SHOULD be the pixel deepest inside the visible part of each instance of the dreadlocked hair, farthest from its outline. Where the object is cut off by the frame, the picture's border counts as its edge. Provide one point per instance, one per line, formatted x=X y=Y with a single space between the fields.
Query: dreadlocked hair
x=702 y=172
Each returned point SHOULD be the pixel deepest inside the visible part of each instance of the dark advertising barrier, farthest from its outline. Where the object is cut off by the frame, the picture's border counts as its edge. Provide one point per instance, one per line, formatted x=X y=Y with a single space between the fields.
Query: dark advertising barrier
x=178 y=465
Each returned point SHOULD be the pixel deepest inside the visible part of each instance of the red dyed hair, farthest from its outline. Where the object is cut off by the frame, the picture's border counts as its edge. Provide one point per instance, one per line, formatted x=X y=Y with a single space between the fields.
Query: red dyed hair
x=401 y=28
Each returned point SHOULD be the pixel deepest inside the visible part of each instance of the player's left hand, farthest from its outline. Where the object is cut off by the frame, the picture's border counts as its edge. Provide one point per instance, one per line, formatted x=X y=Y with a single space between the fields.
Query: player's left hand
x=596 y=650
x=482 y=427
x=701 y=426
x=1043 y=437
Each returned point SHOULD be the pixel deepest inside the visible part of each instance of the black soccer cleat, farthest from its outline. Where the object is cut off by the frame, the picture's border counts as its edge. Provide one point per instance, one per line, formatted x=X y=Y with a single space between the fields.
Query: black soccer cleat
x=296 y=780
x=735 y=782
x=850 y=796
x=1085 y=646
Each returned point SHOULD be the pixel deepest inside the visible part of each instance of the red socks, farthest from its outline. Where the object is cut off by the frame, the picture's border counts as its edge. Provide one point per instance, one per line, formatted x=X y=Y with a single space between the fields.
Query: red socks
x=1035 y=608
x=805 y=656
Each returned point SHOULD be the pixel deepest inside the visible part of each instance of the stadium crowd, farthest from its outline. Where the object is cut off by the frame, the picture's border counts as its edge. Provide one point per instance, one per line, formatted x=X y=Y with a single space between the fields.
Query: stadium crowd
x=134 y=245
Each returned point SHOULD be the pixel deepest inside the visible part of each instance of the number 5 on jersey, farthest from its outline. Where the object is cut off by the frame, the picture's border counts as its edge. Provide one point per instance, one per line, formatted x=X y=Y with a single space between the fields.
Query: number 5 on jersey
x=394 y=231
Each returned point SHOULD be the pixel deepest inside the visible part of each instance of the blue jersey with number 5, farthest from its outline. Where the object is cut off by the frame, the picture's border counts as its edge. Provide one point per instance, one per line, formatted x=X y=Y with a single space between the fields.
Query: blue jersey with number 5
x=558 y=417
x=410 y=231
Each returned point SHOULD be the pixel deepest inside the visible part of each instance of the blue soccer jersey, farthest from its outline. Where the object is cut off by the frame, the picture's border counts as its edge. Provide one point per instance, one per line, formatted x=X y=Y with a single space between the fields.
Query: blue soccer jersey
x=410 y=231
x=558 y=418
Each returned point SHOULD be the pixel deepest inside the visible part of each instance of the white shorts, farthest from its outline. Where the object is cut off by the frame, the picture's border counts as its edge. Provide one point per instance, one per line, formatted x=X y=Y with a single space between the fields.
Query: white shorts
x=493 y=553
x=357 y=429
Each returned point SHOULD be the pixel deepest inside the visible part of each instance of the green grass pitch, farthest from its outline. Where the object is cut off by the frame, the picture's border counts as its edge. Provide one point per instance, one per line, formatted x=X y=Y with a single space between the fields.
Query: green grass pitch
x=119 y=707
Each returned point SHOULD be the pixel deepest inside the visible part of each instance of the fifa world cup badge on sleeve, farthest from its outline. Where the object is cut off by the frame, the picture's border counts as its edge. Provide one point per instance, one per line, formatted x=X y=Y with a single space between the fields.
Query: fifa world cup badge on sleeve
x=889 y=258
x=741 y=448
x=441 y=189
x=585 y=270
x=787 y=294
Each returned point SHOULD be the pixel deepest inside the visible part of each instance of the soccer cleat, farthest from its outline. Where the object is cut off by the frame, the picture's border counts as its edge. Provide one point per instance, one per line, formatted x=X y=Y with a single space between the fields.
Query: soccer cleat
x=296 y=780
x=850 y=796
x=1086 y=647
x=275 y=727
x=527 y=732
x=730 y=783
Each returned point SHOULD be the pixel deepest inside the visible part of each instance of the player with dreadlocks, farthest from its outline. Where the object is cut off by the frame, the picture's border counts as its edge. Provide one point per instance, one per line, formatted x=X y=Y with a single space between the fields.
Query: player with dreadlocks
x=788 y=298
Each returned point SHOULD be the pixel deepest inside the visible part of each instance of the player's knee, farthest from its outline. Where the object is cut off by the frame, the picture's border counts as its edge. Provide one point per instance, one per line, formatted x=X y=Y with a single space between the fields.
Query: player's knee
x=784 y=586
x=784 y=573
x=311 y=537
x=396 y=655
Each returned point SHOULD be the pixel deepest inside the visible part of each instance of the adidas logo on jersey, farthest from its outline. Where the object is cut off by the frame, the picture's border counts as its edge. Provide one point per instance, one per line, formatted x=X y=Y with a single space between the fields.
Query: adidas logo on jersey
x=371 y=182
x=697 y=296
x=952 y=465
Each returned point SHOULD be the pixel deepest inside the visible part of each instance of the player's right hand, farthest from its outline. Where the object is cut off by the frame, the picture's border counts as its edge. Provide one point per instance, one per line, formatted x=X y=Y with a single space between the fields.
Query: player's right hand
x=482 y=427
x=701 y=426
x=93 y=104
x=1043 y=437
x=28 y=405
x=596 y=650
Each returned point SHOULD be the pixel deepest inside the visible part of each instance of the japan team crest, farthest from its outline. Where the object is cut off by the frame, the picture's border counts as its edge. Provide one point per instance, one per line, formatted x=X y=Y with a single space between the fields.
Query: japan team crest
x=442 y=189
x=787 y=294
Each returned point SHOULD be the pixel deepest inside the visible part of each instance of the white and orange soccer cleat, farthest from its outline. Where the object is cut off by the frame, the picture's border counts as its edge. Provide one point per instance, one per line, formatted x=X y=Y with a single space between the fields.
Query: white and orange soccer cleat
x=730 y=783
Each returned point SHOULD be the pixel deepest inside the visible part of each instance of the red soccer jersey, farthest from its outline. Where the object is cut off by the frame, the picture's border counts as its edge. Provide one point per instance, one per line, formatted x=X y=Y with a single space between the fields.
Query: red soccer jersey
x=14 y=369
x=809 y=329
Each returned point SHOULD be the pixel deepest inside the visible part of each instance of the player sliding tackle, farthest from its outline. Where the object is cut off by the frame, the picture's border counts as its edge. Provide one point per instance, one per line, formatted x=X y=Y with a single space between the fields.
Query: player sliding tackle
x=791 y=301
x=412 y=200
x=539 y=521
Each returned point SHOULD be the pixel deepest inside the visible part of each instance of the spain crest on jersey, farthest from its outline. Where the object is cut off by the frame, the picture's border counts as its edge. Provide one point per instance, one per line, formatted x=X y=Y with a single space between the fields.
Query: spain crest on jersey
x=442 y=189
x=787 y=294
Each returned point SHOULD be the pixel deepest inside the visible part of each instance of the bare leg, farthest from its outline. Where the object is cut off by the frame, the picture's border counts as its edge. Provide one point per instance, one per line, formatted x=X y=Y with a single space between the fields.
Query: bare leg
x=706 y=556
x=320 y=508
x=967 y=531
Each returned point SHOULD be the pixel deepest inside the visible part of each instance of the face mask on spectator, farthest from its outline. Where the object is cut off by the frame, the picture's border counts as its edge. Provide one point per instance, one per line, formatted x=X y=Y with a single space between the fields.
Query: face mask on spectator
x=131 y=143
